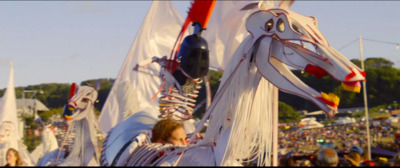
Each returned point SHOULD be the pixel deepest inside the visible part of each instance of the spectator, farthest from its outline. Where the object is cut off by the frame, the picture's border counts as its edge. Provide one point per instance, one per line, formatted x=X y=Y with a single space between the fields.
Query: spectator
x=365 y=161
x=328 y=157
x=357 y=149
x=396 y=160
x=382 y=161
x=286 y=162
x=169 y=131
x=13 y=158
x=353 y=158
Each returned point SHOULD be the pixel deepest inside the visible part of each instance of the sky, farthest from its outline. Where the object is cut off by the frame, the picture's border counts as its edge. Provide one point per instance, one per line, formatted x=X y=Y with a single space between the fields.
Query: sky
x=73 y=41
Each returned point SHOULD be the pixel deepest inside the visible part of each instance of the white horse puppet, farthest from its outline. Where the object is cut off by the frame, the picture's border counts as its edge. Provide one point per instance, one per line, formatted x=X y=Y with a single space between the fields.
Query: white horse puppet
x=242 y=112
x=84 y=150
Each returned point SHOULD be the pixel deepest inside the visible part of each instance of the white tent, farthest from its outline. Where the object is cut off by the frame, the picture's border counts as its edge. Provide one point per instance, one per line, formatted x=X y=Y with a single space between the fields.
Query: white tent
x=345 y=120
x=309 y=123
x=391 y=120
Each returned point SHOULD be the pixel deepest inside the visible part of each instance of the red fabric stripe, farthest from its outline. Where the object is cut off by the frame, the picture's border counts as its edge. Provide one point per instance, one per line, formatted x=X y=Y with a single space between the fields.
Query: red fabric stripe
x=327 y=102
x=351 y=75
x=201 y=12
x=72 y=90
x=315 y=70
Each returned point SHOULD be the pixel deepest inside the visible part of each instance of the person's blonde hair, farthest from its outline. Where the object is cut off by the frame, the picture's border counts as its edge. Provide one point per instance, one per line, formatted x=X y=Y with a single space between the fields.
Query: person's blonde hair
x=164 y=128
x=18 y=162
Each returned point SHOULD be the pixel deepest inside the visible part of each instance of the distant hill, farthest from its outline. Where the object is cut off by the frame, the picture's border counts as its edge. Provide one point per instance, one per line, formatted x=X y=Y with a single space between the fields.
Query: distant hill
x=383 y=88
x=55 y=95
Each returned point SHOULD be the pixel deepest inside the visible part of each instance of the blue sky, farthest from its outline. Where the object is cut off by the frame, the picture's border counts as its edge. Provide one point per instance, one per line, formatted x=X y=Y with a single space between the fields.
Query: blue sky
x=72 y=41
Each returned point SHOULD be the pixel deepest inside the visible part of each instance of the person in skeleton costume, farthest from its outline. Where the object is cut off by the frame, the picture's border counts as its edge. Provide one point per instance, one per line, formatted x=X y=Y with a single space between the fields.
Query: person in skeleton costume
x=181 y=76
x=178 y=98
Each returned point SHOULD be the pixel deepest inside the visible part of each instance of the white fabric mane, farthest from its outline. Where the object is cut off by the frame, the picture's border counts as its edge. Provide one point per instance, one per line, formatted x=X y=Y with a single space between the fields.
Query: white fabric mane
x=85 y=147
x=243 y=114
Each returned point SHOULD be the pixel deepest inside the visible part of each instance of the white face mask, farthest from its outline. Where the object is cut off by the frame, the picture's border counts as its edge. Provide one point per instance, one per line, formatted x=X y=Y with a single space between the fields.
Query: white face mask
x=5 y=130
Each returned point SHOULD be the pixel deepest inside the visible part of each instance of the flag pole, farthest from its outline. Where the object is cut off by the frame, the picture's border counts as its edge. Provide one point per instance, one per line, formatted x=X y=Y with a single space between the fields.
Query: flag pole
x=365 y=101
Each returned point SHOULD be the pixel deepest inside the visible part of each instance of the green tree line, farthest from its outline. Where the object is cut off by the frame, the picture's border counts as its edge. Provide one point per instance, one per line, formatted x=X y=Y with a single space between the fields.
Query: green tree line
x=382 y=87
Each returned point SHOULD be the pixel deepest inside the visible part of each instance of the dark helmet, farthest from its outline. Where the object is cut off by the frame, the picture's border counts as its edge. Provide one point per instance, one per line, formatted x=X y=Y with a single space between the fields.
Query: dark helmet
x=193 y=54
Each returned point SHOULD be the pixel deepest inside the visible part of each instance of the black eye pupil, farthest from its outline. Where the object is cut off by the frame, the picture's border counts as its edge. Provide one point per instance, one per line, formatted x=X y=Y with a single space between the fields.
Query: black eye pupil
x=269 y=25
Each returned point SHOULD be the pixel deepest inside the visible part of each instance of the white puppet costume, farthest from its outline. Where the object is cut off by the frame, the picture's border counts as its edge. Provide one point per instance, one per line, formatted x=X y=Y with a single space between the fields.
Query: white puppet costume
x=9 y=135
x=244 y=112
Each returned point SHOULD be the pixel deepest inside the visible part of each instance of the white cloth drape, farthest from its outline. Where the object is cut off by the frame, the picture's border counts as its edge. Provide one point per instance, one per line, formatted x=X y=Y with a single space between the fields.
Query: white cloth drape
x=133 y=90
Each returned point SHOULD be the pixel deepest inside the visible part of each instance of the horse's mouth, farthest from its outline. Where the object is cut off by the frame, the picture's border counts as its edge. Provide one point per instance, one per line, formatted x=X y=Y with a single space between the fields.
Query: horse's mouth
x=311 y=49
x=349 y=83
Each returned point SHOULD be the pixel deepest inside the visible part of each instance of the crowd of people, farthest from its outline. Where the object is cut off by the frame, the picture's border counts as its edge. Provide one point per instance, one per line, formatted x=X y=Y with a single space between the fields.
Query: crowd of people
x=339 y=145
x=329 y=157
x=347 y=144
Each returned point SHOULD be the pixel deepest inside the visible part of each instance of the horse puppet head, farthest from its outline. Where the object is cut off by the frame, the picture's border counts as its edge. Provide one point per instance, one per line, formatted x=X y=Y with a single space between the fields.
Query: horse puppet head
x=83 y=121
x=82 y=98
x=283 y=38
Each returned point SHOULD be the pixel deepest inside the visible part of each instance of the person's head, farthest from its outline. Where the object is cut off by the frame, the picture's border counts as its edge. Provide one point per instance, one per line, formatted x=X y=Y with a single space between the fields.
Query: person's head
x=382 y=161
x=286 y=162
x=13 y=157
x=357 y=149
x=307 y=163
x=354 y=158
x=328 y=157
x=169 y=131
x=396 y=160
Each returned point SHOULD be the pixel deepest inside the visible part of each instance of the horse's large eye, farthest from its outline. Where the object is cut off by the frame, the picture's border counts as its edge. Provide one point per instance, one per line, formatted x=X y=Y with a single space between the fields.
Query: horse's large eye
x=85 y=100
x=297 y=29
x=280 y=25
x=269 y=25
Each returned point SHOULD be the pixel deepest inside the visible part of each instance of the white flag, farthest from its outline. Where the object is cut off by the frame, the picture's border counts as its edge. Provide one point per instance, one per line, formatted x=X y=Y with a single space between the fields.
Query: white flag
x=133 y=90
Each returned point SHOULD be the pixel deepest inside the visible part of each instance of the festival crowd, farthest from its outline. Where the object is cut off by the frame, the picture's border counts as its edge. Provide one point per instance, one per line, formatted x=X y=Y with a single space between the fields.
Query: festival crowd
x=348 y=142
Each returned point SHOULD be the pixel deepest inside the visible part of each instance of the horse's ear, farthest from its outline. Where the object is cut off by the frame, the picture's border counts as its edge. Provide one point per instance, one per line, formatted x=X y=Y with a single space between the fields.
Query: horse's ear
x=250 y=6
x=72 y=90
x=285 y=4
x=97 y=85
x=262 y=5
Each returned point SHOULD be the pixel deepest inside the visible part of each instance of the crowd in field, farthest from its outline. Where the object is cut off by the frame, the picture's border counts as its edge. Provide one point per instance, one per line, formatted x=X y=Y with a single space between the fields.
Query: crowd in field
x=300 y=147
